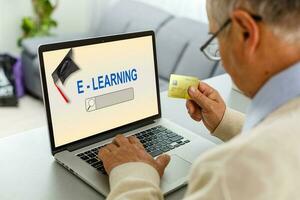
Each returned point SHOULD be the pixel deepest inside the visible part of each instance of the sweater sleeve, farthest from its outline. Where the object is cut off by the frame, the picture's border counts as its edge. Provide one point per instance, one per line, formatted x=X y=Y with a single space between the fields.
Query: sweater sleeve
x=230 y=126
x=134 y=181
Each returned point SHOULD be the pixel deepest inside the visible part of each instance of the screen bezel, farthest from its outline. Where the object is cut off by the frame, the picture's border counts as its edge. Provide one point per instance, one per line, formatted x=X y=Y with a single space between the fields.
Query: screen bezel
x=85 y=42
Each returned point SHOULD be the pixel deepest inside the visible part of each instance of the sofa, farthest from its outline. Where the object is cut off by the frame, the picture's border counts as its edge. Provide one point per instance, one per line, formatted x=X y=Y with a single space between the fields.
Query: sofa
x=178 y=41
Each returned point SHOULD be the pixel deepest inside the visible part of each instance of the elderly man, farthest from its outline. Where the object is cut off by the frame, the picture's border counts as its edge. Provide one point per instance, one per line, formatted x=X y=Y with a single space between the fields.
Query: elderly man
x=259 y=43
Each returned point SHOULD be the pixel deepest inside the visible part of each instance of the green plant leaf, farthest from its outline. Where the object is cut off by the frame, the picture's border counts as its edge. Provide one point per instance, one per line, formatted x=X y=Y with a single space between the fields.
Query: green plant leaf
x=42 y=23
x=28 y=25
x=53 y=23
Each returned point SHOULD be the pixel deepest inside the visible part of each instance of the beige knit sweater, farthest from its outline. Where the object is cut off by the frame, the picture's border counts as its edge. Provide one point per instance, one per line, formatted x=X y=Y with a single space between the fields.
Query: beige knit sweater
x=261 y=164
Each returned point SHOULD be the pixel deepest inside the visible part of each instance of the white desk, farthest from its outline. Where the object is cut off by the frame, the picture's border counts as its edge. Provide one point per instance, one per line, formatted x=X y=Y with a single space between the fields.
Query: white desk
x=28 y=171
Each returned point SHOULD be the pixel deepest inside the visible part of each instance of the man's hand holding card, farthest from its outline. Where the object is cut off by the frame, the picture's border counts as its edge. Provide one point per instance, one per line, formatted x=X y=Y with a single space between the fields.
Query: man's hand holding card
x=203 y=102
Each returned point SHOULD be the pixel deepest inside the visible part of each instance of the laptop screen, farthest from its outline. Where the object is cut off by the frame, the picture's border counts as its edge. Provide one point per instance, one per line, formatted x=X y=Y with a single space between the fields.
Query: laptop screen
x=100 y=87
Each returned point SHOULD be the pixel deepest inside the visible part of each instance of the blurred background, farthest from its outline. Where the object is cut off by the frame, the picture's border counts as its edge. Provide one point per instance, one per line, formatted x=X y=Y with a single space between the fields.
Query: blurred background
x=180 y=26
x=79 y=16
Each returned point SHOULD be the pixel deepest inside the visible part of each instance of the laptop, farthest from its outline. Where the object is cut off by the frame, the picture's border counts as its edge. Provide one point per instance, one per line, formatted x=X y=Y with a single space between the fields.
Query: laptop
x=97 y=88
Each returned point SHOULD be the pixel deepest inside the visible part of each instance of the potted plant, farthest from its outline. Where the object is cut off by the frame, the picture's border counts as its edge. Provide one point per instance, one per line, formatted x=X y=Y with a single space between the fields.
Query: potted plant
x=42 y=22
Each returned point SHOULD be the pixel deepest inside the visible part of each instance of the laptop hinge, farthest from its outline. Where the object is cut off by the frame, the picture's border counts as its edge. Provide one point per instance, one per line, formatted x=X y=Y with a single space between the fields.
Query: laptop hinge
x=106 y=136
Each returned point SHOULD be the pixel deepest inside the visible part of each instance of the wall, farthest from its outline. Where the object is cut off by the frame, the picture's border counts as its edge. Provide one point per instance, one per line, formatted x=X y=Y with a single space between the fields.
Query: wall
x=72 y=17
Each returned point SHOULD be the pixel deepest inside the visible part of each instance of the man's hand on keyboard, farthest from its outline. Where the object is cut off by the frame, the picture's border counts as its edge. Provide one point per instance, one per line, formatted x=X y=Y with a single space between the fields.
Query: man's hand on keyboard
x=124 y=150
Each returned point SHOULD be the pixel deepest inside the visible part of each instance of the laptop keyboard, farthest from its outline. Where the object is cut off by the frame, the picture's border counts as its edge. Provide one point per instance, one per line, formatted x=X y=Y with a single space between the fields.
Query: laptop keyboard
x=156 y=140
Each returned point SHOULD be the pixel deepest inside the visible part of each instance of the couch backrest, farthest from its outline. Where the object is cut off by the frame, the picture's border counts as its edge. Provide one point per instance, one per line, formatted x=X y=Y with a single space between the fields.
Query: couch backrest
x=131 y=16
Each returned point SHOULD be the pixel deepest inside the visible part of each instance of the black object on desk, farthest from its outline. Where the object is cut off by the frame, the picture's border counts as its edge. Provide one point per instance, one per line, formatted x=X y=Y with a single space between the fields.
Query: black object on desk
x=7 y=81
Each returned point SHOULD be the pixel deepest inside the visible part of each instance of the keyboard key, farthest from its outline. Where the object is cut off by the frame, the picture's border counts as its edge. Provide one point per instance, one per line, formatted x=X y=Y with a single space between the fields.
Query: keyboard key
x=177 y=138
x=91 y=161
x=91 y=155
x=186 y=141
x=170 y=141
x=95 y=150
x=84 y=157
x=172 y=135
x=97 y=164
x=151 y=149
x=162 y=128
x=164 y=149
x=150 y=143
x=165 y=137
x=102 y=170
x=180 y=142
x=87 y=153
x=156 y=153
x=146 y=145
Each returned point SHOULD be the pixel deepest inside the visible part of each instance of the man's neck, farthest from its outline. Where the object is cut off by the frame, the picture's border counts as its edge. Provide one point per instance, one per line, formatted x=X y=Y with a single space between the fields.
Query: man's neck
x=276 y=62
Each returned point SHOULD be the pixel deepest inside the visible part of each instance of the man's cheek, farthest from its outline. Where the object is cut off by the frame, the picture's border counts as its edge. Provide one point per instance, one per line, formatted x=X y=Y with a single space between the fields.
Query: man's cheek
x=225 y=61
x=228 y=61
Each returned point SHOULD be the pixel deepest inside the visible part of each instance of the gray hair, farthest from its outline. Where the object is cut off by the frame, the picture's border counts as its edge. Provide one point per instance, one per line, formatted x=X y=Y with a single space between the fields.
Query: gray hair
x=282 y=15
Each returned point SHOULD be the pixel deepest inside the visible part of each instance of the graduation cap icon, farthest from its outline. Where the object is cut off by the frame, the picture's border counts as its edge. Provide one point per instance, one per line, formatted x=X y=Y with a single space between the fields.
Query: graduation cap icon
x=64 y=70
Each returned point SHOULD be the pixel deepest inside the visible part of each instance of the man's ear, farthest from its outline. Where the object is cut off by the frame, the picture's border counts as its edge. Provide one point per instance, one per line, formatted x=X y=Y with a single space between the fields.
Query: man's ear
x=246 y=29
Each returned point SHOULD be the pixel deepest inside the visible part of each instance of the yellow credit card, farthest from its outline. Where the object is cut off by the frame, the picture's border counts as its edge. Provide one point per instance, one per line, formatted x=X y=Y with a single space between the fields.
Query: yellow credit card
x=179 y=85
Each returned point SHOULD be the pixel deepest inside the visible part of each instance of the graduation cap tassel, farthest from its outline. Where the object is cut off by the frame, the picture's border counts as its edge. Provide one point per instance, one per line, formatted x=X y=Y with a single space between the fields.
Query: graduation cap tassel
x=62 y=94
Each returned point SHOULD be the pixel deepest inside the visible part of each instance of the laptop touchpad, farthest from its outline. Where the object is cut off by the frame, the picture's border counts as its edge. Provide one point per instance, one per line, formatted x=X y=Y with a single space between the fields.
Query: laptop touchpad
x=176 y=169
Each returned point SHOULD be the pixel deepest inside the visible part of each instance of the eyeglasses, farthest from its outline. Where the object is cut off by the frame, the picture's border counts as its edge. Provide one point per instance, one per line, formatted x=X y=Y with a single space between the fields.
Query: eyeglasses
x=211 y=48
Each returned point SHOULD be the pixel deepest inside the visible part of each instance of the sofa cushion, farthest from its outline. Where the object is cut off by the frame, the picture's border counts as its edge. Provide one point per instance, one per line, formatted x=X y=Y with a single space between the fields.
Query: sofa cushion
x=30 y=45
x=145 y=17
x=194 y=63
x=176 y=38
x=163 y=84
x=131 y=16
x=32 y=75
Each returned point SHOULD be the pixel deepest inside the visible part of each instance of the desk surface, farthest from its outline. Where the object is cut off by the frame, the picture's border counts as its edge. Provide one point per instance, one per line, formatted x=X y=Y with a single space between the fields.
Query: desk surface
x=28 y=171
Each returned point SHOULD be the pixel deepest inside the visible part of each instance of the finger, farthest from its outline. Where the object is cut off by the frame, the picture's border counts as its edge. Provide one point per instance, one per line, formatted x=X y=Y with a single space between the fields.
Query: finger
x=194 y=111
x=196 y=118
x=192 y=107
x=203 y=101
x=209 y=91
x=120 y=140
x=205 y=88
x=162 y=162
x=134 y=140
x=103 y=153
x=111 y=147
